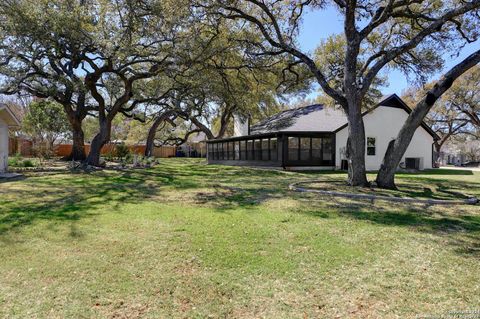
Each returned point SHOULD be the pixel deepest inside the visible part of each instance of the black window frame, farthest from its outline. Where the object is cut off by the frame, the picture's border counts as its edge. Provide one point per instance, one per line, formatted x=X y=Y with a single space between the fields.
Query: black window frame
x=370 y=148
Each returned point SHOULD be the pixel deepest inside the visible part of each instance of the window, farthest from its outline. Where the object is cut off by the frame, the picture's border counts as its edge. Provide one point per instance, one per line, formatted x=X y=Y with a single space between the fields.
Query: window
x=304 y=148
x=293 y=148
x=370 y=145
x=273 y=149
x=265 y=150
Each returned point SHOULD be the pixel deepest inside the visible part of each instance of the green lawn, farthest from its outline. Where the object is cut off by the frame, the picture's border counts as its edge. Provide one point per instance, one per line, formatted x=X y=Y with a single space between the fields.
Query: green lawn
x=188 y=240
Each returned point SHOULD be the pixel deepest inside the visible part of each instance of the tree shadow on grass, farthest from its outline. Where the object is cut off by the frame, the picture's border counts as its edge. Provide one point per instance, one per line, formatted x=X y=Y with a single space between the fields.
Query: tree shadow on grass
x=457 y=225
x=442 y=171
x=68 y=198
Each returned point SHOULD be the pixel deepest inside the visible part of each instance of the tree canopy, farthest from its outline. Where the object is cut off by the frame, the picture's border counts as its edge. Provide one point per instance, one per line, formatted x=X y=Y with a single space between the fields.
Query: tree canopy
x=46 y=123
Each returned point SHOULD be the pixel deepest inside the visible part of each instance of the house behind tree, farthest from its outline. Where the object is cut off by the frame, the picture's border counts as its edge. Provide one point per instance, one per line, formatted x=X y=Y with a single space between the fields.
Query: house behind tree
x=315 y=137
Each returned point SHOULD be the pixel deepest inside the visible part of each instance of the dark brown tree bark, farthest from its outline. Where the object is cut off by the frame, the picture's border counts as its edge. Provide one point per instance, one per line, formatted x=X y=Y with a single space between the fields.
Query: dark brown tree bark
x=356 y=150
x=102 y=138
x=452 y=130
x=153 y=130
x=397 y=147
x=78 y=140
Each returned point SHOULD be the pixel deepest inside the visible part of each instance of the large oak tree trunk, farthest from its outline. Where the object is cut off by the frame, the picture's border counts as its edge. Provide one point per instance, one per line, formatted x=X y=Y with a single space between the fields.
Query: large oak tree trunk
x=78 y=138
x=151 y=137
x=356 y=145
x=153 y=130
x=356 y=151
x=438 y=147
x=102 y=138
x=386 y=174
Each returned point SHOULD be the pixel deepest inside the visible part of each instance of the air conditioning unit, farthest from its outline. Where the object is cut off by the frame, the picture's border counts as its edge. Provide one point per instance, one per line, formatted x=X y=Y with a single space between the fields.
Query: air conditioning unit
x=412 y=163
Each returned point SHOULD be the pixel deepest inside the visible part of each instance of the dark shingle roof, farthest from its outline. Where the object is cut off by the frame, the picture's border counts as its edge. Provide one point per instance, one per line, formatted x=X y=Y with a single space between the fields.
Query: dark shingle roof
x=316 y=117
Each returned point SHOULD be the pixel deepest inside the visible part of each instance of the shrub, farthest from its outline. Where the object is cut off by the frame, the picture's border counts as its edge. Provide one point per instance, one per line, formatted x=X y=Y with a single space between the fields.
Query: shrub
x=28 y=163
x=109 y=156
x=15 y=161
x=121 y=150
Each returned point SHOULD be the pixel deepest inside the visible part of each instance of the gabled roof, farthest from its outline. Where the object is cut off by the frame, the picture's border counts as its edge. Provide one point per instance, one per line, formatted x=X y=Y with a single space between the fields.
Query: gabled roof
x=8 y=116
x=320 y=118
x=393 y=100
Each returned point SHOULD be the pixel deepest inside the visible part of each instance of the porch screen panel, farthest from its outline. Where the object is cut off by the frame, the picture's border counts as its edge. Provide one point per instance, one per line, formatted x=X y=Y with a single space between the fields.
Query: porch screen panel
x=258 y=150
x=250 y=150
x=327 y=148
x=317 y=150
x=265 y=150
x=243 y=150
x=236 y=150
x=304 y=148
x=293 y=144
x=230 y=150
x=273 y=149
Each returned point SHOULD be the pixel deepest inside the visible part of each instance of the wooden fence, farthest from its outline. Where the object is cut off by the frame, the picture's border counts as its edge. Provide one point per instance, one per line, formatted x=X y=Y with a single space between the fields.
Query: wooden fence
x=20 y=146
x=163 y=151
x=24 y=147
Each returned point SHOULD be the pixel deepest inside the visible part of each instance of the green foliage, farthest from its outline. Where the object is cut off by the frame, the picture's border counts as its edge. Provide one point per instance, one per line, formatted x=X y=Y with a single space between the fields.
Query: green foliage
x=121 y=151
x=28 y=163
x=457 y=112
x=46 y=122
x=330 y=56
x=15 y=161
x=18 y=161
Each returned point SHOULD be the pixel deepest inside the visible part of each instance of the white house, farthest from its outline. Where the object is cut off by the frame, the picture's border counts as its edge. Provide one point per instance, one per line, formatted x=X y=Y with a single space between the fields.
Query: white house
x=315 y=136
x=7 y=121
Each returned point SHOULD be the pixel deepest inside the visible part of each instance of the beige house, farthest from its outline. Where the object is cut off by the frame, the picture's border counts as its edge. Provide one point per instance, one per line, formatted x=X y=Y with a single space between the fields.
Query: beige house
x=8 y=121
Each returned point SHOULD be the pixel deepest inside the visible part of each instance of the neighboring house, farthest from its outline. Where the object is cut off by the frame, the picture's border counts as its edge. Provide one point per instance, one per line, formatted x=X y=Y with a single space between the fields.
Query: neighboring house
x=194 y=147
x=315 y=137
x=7 y=121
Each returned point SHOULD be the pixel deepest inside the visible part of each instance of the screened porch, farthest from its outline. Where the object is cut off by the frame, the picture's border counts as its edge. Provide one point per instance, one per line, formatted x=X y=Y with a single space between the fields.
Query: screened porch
x=280 y=149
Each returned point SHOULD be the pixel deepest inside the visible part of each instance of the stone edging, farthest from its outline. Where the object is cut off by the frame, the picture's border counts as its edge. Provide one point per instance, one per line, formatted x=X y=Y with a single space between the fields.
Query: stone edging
x=295 y=187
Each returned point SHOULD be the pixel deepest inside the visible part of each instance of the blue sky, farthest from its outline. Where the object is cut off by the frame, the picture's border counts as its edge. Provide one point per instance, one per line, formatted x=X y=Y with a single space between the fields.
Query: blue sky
x=318 y=25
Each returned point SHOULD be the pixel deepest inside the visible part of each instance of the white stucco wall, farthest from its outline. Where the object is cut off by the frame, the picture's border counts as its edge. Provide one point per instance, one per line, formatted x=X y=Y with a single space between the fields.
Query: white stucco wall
x=3 y=146
x=383 y=124
x=240 y=125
